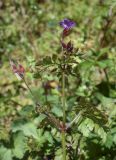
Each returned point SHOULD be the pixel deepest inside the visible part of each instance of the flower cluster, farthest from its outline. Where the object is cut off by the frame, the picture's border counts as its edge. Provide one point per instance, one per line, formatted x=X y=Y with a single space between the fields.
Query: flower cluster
x=67 y=25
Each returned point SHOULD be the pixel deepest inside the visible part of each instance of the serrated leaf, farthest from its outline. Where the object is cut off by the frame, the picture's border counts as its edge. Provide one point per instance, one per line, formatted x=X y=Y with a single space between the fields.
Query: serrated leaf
x=5 y=154
x=28 y=128
x=19 y=145
x=109 y=141
x=57 y=111
x=106 y=102
x=47 y=60
x=26 y=110
x=84 y=130
x=39 y=119
x=92 y=112
x=90 y=124
x=41 y=138
x=102 y=134
x=48 y=137
x=17 y=125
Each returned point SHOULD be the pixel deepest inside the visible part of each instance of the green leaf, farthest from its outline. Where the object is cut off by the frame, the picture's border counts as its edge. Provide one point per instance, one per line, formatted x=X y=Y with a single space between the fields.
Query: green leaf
x=28 y=128
x=39 y=119
x=37 y=75
x=109 y=141
x=86 y=65
x=106 y=102
x=92 y=112
x=54 y=57
x=105 y=63
x=47 y=60
x=5 y=154
x=102 y=134
x=84 y=130
x=114 y=139
x=26 y=110
x=19 y=145
x=48 y=136
x=90 y=124
x=17 y=125
x=41 y=138
x=57 y=111
x=53 y=99
x=58 y=154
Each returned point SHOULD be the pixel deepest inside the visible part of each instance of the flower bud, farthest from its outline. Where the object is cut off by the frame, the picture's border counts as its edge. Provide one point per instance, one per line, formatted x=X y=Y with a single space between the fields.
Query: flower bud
x=18 y=69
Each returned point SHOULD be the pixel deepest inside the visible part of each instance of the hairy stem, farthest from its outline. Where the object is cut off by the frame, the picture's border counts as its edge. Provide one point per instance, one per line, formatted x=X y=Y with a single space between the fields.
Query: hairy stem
x=63 y=97
x=64 y=116
x=63 y=146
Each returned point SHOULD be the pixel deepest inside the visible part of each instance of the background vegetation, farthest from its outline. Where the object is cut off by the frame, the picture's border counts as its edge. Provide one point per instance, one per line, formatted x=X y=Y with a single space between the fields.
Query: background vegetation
x=29 y=31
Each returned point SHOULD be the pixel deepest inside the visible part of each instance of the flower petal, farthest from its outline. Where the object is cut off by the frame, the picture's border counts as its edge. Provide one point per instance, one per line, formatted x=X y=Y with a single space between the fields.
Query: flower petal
x=67 y=24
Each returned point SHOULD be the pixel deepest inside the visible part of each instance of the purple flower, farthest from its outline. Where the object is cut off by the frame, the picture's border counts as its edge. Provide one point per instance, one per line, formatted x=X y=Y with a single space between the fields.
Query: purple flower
x=67 y=24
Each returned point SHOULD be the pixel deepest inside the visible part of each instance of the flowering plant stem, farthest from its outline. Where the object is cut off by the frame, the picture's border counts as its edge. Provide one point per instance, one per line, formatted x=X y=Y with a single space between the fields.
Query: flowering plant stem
x=28 y=86
x=64 y=116
x=50 y=117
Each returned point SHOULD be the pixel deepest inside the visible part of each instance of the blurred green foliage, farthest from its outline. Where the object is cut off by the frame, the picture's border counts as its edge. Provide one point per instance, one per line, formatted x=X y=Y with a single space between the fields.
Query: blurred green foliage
x=30 y=33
